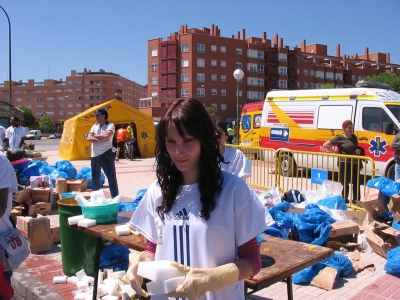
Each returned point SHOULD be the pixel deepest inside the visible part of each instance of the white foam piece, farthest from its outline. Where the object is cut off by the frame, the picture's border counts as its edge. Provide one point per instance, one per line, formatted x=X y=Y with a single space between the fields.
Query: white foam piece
x=82 y=284
x=101 y=290
x=127 y=289
x=80 y=274
x=86 y=223
x=72 y=280
x=109 y=272
x=97 y=195
x=109 y=297
x=157 y=271
x=111 y=287
x=82 y=200
x=156 y=288
x=74 y=220
x=170 y=285
x=100 y=277
x=88 y=279
x=80 y=296
x=125 y=280
x=117 y=199
x=59 y=279
x=122 y=230
x=118 y=274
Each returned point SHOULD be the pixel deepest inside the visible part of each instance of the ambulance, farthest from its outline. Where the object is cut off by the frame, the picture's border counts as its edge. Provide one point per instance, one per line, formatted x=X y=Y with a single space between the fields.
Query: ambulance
x=305 y=119
x=250 y=124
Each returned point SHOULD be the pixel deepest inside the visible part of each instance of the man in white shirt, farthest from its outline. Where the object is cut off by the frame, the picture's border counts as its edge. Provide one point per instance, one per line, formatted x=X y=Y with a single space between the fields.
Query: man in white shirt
x=2 y=136
x=102 y=156
x=15 y=138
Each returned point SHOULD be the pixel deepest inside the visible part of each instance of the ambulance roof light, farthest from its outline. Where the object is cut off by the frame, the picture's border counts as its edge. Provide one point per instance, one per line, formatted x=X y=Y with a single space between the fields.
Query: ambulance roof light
x=378 y=85
x=325 y=97
x=353 y=96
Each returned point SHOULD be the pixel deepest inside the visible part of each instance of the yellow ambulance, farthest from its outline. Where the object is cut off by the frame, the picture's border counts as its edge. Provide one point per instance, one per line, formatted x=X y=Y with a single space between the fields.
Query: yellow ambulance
x=250 y=124
x=305 y=119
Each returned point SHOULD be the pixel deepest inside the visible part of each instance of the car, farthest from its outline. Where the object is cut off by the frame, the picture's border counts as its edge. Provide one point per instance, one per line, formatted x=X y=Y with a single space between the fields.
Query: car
x=33 y=135
x=55 y=136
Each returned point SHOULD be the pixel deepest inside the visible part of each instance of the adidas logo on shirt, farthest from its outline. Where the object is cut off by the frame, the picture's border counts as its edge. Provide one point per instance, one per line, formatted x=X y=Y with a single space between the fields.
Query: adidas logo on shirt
x=182 y=215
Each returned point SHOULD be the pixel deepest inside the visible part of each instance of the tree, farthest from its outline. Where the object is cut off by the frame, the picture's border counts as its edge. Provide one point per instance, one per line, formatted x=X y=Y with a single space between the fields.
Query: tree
x=390 y=78
x=328 y=85
x=29 y=118
x=46 y=124
x=212 y=112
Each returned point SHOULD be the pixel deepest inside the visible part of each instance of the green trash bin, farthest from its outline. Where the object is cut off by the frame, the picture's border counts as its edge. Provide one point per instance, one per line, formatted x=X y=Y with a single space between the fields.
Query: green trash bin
x=78 y=250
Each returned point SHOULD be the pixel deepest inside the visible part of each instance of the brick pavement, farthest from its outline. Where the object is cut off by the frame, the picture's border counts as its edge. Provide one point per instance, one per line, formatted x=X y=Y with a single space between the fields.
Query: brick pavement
x=135 y=175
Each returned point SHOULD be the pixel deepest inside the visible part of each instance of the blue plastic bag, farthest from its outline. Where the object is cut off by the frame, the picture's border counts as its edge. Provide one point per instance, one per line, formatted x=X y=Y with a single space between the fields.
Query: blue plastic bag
x=140 y=194
x=279 y=207
x=273 y=231
x=86 y=173
x=396 y=225
x=46 y=170
x=57 y=174
x=66 y=167
x=392 y=265
x=127 y=206
x=314 y=225
x=38 y=163
x=284 y=222
x=335 y=202
x=387 y=186
x=115 y=254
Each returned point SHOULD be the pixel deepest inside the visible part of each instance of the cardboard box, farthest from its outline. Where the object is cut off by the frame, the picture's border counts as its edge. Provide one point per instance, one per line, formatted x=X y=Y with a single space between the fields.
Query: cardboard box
x=40 y=208
x=37 y=231
x=378 y=245
x=22 y=196
x=375 y=202
x=394 y=207
x=54 y=227
x=325 y=279
x=15 y=213
x=61 y=185
x=77 y=185
x=41 y=194
x=337 y=245
x=345 y=227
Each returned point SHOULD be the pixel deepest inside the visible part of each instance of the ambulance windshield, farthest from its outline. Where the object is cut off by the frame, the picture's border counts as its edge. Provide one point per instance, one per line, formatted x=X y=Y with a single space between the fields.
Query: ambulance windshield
x=395 y=110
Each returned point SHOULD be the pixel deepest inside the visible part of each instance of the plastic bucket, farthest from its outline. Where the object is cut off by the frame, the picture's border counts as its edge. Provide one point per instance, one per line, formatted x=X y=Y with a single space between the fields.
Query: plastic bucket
x=102 y=214
x=78 y=250
x=68 y=195
x=20 y=165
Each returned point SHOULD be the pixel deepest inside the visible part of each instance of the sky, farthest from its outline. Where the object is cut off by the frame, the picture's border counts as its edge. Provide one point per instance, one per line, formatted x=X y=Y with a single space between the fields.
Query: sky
x=52 y=37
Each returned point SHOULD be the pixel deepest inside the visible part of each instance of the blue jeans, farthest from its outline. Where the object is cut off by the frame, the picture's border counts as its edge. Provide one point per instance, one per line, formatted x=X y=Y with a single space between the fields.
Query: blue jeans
x=7 y=276
x=108 y=166
x=397 y=171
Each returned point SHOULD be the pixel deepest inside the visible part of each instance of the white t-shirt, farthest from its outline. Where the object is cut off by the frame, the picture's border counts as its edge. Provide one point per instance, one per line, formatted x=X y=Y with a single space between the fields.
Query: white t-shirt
x=2 y=135
x=100 y=148
x=8 y=179
x=237 y=163
x=14 y=135
x=188 y=239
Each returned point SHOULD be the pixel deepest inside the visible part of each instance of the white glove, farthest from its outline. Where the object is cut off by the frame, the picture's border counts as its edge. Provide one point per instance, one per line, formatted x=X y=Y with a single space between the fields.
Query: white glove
x=133 y=277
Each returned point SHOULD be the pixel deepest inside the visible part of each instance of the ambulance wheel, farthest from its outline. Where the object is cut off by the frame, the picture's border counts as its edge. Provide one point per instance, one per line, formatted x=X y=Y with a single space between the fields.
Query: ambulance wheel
x=288 y=165
x=390 y=172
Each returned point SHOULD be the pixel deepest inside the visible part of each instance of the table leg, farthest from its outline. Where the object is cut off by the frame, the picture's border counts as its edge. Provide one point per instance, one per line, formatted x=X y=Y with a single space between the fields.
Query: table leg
x=289 y=288
x=96 y=268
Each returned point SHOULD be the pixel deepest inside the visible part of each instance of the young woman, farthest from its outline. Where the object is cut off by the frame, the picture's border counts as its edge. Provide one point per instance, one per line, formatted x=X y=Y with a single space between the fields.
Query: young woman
x=196 y=215
x=236 y=162
x=349 y=169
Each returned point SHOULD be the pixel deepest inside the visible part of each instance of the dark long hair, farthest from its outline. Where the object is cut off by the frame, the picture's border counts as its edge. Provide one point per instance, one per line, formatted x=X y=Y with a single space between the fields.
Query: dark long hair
x=191 y=116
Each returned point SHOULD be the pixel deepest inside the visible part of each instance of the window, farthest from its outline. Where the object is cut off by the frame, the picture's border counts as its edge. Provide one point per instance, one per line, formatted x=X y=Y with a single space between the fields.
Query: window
x=69 y=82
x=375 y=119
x=201 y=77
x=61 y=106
x=213 y=77
x=78 y=90
x=214 y=62
x=38 y=99
x=283 y=70
x=87 y=105
x=201 y=92
x=86 y=90
x=238 y=65
x=201 y=48
x=252 y=53
x=305 y=72
x=298 y=58
x=185 y=48
x=154 y=52
x=214 y=92
x=282 y=56
x=19 y=100
x=332 y=116
x=28 y=99
x=359 y=77
x=223 y=49
x=311 y=85
x=154 y=66
x=255 y=68
x=154 y=80
x=223 y=92
x=39 y=106
x=78 y=83
x=298 y=84
x=86 y=97
x=223 y=63
x=154 y=93
x=201 y=62
x=60 y=113
x=319 y=86
x=69 y=91
x=339 y=76
x=311 y=72
x=255 y=81
x=50 y=98
x=185 y=62
x=70 y=113
x=329 y=75
x=353 y=77
x=223 y=77
x=239 y=51
x=282 y=84
x=69 y=106
x=185 y=92
x=78 y=98
x=255 y=95
x=257 y=121
x=298 y=71
x=305 y=85
x=185 y=77
x=319 y=74
x=78 y=105
x=213 y=48
x=260 y=55
x=223 y=106
x=29 y=106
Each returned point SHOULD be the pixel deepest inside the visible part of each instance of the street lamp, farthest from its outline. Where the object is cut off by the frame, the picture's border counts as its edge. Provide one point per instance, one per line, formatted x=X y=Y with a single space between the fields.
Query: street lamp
x=238 y=74
x=9 y=54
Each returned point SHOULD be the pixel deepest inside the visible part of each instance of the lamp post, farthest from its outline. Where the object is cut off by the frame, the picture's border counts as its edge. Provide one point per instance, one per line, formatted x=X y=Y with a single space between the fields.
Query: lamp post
x=9 y=54
x=238 y=74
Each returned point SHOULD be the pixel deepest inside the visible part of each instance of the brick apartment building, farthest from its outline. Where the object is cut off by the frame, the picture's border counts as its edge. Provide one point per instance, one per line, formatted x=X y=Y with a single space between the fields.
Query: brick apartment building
x=200 y=63
x=63 y=99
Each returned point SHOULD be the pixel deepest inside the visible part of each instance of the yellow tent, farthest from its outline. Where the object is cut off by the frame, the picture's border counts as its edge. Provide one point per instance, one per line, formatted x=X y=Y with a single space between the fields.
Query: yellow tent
x=73 y=146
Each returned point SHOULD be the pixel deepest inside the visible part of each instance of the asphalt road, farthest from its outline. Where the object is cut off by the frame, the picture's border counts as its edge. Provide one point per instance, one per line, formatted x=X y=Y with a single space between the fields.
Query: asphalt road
x=45 y=144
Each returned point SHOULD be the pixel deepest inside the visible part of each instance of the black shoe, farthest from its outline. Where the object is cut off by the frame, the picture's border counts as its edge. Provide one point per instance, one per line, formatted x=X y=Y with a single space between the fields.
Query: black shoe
x=116 y=159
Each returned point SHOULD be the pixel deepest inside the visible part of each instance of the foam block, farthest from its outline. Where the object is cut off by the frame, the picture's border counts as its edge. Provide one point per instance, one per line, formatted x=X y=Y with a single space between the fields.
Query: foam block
x=100 y=277
x=74 y=220
x=157 y=271
x=108 y=297
x=72 y=280
x=111 y=287
x=101 y=290
x=86 y=223
x=82 y=284
x=59 y=279
x=117 y=199
x=122 y=230
x=82 y=200
x=127 y=289
x=80 y=274
x=118 y=274
x=88 y=279
x=170 y=285
x=80 y=296
x=109 y=272
x=156 y=288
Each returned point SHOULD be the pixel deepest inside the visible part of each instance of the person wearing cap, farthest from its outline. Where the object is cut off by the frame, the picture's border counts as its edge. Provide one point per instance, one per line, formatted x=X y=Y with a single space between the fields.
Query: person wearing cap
x=102 y=156
x=130 y=129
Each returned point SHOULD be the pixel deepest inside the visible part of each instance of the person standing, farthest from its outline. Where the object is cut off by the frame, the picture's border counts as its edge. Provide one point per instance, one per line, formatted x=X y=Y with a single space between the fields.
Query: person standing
x=130 y=129
x=8 y=185
x=231 y=135
x=396 y=146
x=102 y=156
x=15 y=138
x=349 y=169
x=2 y=136
x=123 y=135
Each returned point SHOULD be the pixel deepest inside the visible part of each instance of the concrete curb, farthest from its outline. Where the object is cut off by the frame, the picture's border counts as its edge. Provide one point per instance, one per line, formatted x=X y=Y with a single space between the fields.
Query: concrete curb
x=31 y=288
